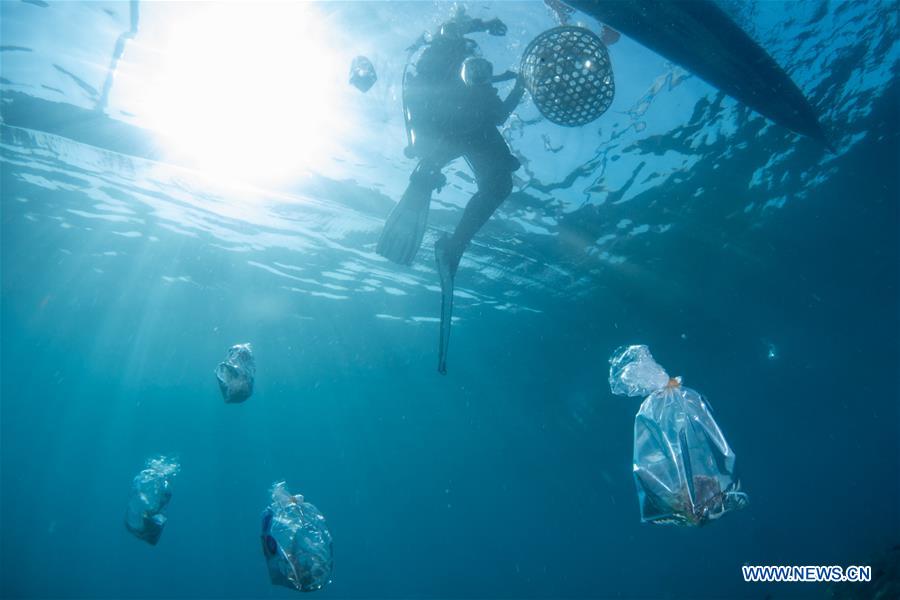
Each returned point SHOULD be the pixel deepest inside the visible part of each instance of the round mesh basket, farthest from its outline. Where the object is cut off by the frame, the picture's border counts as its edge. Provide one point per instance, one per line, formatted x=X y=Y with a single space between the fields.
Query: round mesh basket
x=569 y=76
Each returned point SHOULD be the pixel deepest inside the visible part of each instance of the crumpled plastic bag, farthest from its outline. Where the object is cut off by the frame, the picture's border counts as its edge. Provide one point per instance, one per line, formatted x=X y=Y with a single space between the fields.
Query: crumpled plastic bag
x=150 y=493
x=683 y=467
x=362 y=74
x=236 y=373
x=296 y=542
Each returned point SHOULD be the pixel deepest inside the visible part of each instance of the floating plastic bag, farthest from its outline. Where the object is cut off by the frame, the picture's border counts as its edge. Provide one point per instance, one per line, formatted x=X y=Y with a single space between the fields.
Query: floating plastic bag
x=296 y=542
x=150 y=493
x=683 y=467
x=362 y=74
x=236 y=373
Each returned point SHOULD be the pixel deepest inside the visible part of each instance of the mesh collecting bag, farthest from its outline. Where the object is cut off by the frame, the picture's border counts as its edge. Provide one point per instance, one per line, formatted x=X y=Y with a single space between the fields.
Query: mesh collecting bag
x=569 y=76
x=683 y=467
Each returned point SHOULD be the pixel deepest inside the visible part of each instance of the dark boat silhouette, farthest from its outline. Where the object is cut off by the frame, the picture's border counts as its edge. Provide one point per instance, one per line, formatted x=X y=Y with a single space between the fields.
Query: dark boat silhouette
x=698 y=36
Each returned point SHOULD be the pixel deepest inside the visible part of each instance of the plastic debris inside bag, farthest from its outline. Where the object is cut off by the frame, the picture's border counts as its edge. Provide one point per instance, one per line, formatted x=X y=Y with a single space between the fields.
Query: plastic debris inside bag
x=236 y=374
x=362 y=74
x=296 y=542
x=683 y=467
x=150 y=493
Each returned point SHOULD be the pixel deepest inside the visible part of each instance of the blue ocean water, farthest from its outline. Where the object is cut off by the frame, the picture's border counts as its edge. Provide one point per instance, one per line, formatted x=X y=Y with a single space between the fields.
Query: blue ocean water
x=139 y=243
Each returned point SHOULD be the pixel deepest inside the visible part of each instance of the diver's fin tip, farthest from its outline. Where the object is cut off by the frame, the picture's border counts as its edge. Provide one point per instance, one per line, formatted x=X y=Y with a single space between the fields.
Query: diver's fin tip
x=404 y=228
x=446 y=277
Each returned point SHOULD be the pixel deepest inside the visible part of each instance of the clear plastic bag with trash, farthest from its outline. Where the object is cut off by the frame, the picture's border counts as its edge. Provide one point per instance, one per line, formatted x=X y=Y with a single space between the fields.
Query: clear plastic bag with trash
x=237 y=373
x=683 y=467
x=362 y=74
x=150 y=494
x=296 y=542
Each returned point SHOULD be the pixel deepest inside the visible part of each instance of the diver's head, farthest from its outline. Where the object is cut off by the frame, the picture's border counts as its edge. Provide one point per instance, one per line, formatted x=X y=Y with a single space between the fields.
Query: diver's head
x=452 y=30
x=476 y=71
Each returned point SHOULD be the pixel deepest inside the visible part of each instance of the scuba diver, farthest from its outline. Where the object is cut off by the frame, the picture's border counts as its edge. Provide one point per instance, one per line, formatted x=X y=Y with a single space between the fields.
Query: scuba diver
x=452 y=109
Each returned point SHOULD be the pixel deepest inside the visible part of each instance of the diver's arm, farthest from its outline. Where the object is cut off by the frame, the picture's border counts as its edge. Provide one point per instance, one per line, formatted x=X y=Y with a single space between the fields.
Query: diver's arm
x=465 y=25
x=494 y=26
x=509 y=105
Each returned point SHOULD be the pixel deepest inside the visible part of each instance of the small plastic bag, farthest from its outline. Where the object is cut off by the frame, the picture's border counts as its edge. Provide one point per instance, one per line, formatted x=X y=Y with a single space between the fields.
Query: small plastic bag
x=236 y=374
x=362 y=74
x=296 y=542
x=150 y=493
x=683 y=467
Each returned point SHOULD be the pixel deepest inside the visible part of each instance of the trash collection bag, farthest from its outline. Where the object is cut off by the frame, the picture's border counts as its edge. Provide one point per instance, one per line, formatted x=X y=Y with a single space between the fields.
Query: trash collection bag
x=683 y=467
x=236 y=373
x=296 y=542
x=150 y=493
x=362 y=74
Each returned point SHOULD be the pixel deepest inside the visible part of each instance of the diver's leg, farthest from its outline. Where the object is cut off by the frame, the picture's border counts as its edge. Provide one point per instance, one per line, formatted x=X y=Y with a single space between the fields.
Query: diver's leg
x=493 y=164
x=405 y=226
x=427 y=175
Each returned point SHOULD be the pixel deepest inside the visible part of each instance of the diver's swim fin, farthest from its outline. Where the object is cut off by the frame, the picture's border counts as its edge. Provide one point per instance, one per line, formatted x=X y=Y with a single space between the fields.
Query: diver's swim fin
x=405 y=226
x=446 y=274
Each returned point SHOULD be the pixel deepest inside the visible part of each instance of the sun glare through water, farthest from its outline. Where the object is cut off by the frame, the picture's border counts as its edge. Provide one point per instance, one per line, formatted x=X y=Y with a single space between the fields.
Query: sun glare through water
x=250 y=91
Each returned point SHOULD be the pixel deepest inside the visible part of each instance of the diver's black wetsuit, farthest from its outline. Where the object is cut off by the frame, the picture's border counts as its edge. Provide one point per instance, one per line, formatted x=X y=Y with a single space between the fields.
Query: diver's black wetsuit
x=451 y=120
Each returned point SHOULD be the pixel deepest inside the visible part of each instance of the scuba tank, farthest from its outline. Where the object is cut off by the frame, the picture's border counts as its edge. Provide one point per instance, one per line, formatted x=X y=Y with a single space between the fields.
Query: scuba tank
x=431 y=70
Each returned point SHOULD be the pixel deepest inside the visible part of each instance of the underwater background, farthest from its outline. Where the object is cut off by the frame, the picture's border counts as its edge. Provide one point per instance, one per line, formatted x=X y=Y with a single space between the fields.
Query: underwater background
x=754 y=263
